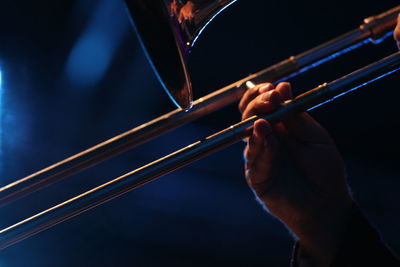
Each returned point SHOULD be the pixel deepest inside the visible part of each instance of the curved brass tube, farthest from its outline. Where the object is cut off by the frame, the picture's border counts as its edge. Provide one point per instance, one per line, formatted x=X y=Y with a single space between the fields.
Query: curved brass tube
x=311 y=99
x=372 y=30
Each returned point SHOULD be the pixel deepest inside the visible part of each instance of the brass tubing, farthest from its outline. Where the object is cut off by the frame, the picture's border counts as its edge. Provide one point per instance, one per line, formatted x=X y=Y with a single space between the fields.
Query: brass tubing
x=125 y=183
x=374 y=27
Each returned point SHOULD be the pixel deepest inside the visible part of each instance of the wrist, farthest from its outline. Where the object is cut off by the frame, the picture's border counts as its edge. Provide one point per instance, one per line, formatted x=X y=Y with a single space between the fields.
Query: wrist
x=321 y=237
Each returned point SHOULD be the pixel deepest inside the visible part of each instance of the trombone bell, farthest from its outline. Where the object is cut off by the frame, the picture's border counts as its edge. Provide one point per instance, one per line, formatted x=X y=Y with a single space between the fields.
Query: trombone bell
x=167 y=30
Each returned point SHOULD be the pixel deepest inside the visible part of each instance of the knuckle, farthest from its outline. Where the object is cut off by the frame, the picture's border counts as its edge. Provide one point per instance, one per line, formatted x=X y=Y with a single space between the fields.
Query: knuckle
x=397 y=34
x=285 y=83
x=241 y=107
x=261 y=98
x=247 y=97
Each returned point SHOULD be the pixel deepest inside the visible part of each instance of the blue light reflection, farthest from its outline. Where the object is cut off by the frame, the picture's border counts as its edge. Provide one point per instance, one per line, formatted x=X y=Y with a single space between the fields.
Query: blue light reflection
x=93 y=51
x=89 y=59
x=213 y=17
x=1 y=120
x=353 y=89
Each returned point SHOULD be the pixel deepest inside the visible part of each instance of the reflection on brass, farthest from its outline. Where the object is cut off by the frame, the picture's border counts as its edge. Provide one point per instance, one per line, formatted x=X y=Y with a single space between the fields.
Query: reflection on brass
x=163 y=34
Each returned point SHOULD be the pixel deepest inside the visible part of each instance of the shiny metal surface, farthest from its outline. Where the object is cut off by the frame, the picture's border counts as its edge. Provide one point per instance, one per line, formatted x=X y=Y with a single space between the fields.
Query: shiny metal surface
x=168 y=29
x=48 y=116
x=316 y=97
x=205 y=105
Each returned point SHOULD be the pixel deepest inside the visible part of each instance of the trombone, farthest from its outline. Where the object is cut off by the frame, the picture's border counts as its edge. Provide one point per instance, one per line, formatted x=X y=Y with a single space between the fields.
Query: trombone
x=372 y=30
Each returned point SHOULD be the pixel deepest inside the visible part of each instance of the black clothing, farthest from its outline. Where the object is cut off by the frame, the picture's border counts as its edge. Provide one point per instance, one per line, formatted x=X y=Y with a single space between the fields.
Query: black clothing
x=362 y=246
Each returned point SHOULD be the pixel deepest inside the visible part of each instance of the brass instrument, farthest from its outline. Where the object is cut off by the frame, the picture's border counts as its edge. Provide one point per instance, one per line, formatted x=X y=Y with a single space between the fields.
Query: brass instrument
x=168 y=30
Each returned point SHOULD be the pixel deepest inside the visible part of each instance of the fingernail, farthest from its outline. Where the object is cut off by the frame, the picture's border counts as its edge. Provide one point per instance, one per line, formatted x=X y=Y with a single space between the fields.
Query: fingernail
x=250 y=85
x=266 y=88
x=266 y=96
x=271 y=96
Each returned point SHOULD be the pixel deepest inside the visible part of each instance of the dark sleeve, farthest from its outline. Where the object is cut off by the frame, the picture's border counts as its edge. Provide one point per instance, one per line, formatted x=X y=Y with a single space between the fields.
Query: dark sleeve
x=362 y=246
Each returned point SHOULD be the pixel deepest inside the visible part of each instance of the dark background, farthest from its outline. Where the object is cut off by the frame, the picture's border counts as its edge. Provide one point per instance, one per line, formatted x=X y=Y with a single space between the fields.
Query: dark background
x=73 y=75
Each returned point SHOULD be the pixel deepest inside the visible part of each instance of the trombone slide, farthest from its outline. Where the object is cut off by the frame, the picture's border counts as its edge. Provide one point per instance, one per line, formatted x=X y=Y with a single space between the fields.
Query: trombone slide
x=311 y=99
x=373 y=29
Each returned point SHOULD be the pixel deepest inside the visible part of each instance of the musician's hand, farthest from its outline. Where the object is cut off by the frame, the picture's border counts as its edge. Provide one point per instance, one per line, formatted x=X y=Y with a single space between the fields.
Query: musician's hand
x=296 y=172
x=396 y=32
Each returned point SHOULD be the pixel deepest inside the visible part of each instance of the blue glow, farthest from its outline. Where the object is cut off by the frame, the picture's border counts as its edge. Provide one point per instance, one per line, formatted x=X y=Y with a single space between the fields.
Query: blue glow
x=335 y=55
x=1 y=119
x=89 y=59
x=324 y=60
x=353 y=89
x=208 y=22
x=380 y=40
x=93 y=52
